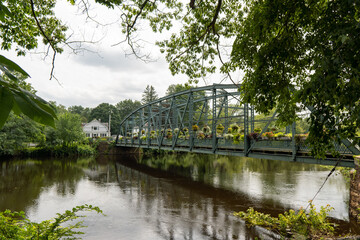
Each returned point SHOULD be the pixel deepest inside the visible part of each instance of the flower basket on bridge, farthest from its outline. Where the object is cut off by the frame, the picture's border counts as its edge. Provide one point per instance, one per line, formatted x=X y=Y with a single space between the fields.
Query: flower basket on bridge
x=254 y=136
x=220 y=128
x=195 y=128
x=268 y=136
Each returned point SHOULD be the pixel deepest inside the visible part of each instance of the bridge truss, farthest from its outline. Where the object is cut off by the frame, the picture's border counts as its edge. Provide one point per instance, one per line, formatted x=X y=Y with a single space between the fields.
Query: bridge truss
x=212 y=120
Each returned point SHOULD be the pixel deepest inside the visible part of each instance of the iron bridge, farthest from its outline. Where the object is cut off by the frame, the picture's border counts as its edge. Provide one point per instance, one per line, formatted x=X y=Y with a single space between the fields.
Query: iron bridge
x=212 y=120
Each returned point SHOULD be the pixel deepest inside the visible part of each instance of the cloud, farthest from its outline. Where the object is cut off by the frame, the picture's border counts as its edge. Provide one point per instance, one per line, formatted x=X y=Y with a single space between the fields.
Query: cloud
x=115 y=60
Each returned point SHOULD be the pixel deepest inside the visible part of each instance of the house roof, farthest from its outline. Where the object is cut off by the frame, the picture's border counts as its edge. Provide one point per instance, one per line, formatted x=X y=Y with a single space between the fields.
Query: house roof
x=95 y=121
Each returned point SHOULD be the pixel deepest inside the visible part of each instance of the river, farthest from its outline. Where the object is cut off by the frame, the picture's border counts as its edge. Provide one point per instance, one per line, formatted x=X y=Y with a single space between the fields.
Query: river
x=184 y=196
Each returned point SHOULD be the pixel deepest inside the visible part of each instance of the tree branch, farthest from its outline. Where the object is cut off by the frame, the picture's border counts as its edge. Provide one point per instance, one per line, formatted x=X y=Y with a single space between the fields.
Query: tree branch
x=192 y=4
x=210 y=26
x=131 y=26
x=46 y=37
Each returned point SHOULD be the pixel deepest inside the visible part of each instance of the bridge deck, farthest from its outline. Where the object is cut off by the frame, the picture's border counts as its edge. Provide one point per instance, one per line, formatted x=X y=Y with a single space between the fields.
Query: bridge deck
x=283 y=154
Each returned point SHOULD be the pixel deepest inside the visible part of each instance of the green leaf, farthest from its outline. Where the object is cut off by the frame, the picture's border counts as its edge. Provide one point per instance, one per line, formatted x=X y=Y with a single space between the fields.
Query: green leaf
x=8 y=73
x=28 y=105
x=6 y=103
x=11 y=65
x=4 y=10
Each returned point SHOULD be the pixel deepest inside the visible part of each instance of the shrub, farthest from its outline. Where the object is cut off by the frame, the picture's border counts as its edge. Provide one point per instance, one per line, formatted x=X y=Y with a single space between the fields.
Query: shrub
x=85 y=150
x=312 y=225
x=14 y=225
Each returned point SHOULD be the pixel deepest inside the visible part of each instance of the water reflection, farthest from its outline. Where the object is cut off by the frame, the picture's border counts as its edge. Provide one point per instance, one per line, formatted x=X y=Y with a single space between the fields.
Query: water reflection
x=266 y=185
x=185 y=196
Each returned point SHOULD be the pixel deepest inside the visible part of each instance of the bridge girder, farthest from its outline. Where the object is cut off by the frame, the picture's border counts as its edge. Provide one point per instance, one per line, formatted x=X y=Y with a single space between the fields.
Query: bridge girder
x=191 y=121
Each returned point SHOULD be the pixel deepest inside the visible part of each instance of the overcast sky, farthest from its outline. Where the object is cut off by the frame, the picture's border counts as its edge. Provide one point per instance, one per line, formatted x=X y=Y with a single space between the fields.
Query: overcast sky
x=105 y=74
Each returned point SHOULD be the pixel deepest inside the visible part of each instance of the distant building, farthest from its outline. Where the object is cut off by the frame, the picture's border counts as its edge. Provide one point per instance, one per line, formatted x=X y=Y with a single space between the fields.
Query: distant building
x=95 y=128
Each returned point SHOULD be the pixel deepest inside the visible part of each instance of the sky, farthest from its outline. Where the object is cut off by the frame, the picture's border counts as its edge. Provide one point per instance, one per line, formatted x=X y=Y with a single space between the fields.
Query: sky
x=103 y=74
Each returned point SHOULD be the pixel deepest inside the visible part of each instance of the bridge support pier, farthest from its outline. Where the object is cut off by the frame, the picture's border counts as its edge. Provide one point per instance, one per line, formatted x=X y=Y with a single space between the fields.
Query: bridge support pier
x=354 y=203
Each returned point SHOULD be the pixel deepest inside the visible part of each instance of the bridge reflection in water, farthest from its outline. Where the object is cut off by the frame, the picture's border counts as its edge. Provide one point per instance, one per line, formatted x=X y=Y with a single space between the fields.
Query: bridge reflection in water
x=180 y=208
x=193 y=196
x=212 y=120
x=180 y=196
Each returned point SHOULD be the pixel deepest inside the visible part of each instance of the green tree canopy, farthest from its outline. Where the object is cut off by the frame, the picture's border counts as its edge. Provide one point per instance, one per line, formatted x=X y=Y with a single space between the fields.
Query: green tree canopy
x=175 y=88
x=68 y=130
x=82 y=111
x=102 y=112
x=18 y=132
x=149 y=95
x=126 y=107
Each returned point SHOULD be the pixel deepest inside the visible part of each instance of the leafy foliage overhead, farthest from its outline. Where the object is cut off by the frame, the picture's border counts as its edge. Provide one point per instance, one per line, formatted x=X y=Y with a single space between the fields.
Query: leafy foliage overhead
x=16 y=99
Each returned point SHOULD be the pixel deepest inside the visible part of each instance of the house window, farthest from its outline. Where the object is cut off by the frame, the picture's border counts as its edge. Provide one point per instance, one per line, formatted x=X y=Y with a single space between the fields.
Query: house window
x=103 y=134
x=94 y=128
x=88 y=135
x=95 y=135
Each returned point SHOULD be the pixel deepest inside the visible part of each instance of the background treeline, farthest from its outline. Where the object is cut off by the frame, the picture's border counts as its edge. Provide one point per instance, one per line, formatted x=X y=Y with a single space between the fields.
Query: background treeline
x=22 y=136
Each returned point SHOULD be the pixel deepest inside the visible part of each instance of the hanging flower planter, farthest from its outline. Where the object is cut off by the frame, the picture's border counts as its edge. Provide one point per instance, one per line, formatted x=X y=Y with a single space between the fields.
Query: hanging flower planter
x=220 y=128
x=234 y=128
x=195 y=128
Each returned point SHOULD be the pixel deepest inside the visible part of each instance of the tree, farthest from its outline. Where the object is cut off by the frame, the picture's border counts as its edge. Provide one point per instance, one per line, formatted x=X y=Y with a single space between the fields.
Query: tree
x=18 y=132
x=149 y=95
x=300 y=55
x=175 y=88
x=102 y=112
x=68 y=130
x=83 y=112
x=126 y=107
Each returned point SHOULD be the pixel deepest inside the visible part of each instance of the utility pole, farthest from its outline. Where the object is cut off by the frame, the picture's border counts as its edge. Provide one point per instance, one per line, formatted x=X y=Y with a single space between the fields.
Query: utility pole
x=109 y=123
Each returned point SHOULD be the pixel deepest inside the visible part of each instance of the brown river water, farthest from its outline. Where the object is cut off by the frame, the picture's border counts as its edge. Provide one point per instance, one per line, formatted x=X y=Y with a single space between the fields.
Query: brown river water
x=184 y=196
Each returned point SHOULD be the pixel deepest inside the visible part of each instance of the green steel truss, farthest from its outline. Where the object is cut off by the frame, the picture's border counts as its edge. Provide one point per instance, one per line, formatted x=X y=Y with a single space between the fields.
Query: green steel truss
x=204 y=120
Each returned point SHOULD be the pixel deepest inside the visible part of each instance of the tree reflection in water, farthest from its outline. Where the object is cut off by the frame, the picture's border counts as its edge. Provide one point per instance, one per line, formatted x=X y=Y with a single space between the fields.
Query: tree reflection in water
x=175 y=196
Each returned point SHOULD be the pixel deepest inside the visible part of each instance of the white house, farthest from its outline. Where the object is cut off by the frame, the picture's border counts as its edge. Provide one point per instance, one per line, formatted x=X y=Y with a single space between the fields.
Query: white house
x=95 y=128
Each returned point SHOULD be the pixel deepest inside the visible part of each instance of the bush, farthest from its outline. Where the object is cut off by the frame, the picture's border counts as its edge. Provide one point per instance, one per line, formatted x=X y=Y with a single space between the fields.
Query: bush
x=312 y=225
x=61 y=151
x=14 y=225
